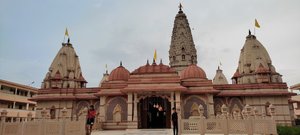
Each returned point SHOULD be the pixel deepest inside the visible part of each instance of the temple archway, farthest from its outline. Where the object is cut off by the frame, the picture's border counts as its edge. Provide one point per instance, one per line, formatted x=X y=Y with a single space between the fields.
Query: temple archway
x=154 y=112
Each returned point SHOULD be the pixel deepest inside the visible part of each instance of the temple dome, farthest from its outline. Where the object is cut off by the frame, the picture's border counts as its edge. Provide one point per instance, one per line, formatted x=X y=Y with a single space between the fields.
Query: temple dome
x=153 y=68
x=193 y=71
x=119 y=74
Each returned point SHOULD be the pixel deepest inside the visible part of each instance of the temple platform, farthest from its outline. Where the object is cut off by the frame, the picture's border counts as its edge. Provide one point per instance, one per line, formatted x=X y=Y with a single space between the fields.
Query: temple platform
x=139 y=132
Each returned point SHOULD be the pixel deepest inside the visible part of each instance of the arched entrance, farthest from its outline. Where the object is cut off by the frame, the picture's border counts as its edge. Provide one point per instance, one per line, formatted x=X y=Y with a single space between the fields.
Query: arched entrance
x=154 y=112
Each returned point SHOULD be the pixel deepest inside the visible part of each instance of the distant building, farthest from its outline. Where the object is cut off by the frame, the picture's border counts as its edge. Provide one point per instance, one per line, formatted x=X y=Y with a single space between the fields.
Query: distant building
x=143 y=98
x=296 y=100
x=14 y=99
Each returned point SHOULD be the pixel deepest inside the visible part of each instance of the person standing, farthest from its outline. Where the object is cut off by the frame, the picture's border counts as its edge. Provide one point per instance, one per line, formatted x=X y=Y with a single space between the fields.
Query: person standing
x=90 y=120
x=175 y=121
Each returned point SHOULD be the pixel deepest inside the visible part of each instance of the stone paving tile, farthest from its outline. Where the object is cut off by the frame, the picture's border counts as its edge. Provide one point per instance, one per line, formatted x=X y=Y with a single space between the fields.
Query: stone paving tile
x=132 y=132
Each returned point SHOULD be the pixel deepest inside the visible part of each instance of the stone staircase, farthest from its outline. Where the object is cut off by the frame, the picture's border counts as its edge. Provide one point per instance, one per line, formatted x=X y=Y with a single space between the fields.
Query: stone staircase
x=148 y=132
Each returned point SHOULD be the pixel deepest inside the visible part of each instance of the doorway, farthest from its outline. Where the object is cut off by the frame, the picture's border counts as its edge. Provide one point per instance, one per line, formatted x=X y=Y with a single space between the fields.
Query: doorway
x=154 y=112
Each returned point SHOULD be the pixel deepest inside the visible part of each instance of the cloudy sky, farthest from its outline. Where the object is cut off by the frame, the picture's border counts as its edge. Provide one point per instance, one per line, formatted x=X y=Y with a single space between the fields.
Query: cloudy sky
x=109 y=31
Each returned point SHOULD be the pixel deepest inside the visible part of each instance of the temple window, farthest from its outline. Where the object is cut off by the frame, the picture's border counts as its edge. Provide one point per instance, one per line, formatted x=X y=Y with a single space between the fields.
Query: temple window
x=82 y=85
x=183 y=49
x=52 y=112
x=174 y=58
x=183 y=57
x=267 y=109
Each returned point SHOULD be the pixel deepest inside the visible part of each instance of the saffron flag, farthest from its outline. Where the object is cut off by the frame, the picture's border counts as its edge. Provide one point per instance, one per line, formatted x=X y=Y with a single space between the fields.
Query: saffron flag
x=257 y=24
x=155 y=55
x=67 y=33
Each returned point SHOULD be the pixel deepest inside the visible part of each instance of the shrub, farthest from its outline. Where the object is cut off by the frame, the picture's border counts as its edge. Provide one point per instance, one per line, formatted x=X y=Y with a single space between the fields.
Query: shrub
x=285 y=130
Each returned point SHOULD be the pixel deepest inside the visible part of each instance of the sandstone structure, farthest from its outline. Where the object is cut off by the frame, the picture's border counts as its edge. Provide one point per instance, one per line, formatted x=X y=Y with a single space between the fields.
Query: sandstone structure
x=143 y=98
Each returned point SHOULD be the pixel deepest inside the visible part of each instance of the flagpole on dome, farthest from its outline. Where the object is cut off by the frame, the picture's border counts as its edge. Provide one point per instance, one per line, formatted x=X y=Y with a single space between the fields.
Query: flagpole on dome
x=256 y=24
x=155 y=56
x=106 y=70
x=66 y=35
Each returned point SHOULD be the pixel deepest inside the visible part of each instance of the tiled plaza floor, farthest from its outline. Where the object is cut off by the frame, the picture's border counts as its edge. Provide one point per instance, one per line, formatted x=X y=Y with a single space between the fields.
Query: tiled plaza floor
x=134 y=132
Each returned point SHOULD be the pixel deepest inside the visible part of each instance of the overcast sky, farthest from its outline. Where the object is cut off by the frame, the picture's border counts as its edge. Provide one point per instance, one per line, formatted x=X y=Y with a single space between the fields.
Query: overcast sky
x=109 y=31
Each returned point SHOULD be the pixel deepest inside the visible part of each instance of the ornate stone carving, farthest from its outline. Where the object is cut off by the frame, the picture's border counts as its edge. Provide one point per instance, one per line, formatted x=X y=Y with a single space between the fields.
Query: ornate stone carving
x=182 y=49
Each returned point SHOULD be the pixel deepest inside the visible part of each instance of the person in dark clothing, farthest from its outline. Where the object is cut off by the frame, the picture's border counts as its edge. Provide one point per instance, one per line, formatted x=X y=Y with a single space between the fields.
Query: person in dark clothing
x=90 y=119
x=175 y=121
x=161 y=115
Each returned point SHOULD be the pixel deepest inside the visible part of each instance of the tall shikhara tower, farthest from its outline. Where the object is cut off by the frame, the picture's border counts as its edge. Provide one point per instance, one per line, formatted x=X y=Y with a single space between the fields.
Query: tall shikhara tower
x=182 y=49
x=255 y=65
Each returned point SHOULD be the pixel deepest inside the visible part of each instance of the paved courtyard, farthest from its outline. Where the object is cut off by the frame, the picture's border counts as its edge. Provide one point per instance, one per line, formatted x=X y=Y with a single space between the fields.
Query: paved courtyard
x=137 y=132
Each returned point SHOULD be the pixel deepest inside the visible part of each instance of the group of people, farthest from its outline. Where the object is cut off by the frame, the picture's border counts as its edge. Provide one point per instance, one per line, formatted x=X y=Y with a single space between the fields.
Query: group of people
x=157 y=118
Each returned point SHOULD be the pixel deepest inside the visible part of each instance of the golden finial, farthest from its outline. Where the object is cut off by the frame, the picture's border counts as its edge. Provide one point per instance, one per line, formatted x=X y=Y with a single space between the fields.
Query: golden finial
x=180 y=7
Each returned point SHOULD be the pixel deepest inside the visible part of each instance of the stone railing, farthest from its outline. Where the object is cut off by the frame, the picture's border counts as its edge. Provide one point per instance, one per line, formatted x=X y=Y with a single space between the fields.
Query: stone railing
x=42 y=126
x=249 y=121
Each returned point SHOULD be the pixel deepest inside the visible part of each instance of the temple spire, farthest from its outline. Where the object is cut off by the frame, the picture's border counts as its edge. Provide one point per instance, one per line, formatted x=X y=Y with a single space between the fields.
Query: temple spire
x=182 y=51
x=220 y=77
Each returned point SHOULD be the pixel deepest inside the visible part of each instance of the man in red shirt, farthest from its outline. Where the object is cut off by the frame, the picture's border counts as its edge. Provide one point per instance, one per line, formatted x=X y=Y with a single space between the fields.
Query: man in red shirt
x=90 y=119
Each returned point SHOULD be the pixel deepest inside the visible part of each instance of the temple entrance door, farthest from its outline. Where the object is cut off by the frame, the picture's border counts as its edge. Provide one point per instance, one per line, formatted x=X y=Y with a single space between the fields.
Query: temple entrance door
x=154 y=112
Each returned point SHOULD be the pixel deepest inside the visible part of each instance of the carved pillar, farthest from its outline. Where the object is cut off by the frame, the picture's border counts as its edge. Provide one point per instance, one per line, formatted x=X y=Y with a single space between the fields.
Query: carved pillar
x=210 y=106
x=178 y=109
x=14 y=105
x=16 y=91
x=102 y=110
x=135 y=107
x=27 y=106
x=129 y=108
x=177 y=103
x=172 y=100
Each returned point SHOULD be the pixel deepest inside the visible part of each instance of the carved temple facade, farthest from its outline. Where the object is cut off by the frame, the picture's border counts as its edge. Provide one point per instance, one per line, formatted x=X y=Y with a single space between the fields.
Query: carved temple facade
x=138 y=98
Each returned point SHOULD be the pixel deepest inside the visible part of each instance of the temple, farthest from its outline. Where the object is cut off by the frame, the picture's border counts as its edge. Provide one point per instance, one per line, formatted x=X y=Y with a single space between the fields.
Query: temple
x=143 y=98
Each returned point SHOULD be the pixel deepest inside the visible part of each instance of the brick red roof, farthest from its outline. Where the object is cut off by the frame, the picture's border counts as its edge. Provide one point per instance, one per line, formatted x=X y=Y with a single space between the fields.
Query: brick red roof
x=154 y=68
x=193 y=71
x=120 y=73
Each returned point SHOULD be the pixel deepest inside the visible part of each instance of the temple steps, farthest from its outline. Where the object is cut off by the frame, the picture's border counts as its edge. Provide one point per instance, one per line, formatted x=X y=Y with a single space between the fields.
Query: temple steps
x=149 y=132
